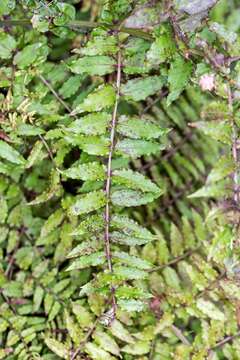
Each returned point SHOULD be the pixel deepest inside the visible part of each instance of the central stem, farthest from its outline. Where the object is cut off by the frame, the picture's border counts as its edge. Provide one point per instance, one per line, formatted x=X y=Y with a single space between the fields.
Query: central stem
x=109 y=177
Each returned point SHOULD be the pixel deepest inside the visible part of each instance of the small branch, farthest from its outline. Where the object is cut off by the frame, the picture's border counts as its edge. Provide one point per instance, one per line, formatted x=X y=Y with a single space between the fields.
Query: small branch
x=180 y=335
x=225 y=340
x=47 y=83
x=174 y=261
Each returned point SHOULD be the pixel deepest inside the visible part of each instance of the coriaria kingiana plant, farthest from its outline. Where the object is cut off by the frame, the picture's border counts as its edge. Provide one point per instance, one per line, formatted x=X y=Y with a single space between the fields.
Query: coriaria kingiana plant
x=119 y=179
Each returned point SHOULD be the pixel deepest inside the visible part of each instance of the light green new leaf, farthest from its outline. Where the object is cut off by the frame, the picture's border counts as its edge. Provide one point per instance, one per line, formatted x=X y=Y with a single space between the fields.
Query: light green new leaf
x=131 y=305
x=123 y=257
x=93 y=145
x=139 y=348
x=95 y=259
x=129 y=273
x=93 y=65
x=52 y=222
x=103 y=97
x=85 y=248
x=137 y=148
x=87 y=203
x=134 y=180
x=162 y=49
x=106 y=342
x=74 y=330
x=176 y=241
x=224 y=167
x=130 y=198
x=9 y=153
x=89 y=171
x=218 y=130
x=140 y=88
x=38 y=298
x=104 y=44
x=35 y=155
x=137 y=128
x=92 y=124
x=57 y=347
x=178 y=77
x=7 y=45
x=209 y=309
x=120 y=332
x=96 y=352
x=130 y=240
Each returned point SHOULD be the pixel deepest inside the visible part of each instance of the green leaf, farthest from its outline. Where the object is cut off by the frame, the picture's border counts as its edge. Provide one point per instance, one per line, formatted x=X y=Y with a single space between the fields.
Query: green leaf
x=130 y=240
x=85 y=248
x=101 y=44
x=139 y=348
x=29 y=130
x=89 y=171
x=177 y=246
x=209 y=309
x=31 y=54
x=35 y=154
x=224 y=167
x=52 y=222
x=137 y=128
x=96 y=352
x=131 y=305
x=130 y=227
x=71 y=86
x=163 y=48
x=106 y=342
x=94 y=259
x=120 y=332
x=93 y=145
x=93 y=65
x=88 y=203
x=137 y=148
x=52 y=191
x=137 y=262
x=74 y=330
x=140 y=88
x=194 y=6
x=37 y=298
x=9 y=153
x=57 y=347
x=92 y=124
x=103 y=97
x=178 y=77
x=134 y=180
x=130 y=198
x=129 y=273
x=220 y=131
x=7 y=45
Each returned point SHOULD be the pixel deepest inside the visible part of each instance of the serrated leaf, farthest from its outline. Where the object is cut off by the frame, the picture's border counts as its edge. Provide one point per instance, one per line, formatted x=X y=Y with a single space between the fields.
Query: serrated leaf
x=130 y=240
x=220 y=131
x=74 y=330
x=52 y=222
x=129 y=273
x=134 y=180
x=106 y=342
x=93 y=145
x=131 y=305
x=104 y=44
x=88 y=203
x=176 y=241
x=209 y=309
x=9 y=153
x=224 y=167
x=57 y=347
x=103 y=97
x=85 y=248
x=131 y=227
x=35 y=154
x=89 y=171
x=163 y=48
x=7 y=45
x=33 y=53
x=137 y=148
x=93 y=65
x=96 y=352
x=137 y=262
x=139 y=348
x=129 y=292
x=178 y=77
x=37 y=298
x=120 y=332
x=130 y=198
x=94 y=259
x=92 y=124
x=53 y=190
x=137 y=128
x=140 y=88
x=71 y=86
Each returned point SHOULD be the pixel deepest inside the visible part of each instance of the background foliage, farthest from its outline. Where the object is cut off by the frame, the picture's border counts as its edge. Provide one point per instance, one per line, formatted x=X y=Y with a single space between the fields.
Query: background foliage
x=119 y=179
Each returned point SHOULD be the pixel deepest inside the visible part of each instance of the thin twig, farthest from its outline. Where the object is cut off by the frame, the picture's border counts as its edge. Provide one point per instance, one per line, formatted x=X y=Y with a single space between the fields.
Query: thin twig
x=48 y=84
x=180 y=335
x=225 y=340
x=109 y=175
x=174 y=261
